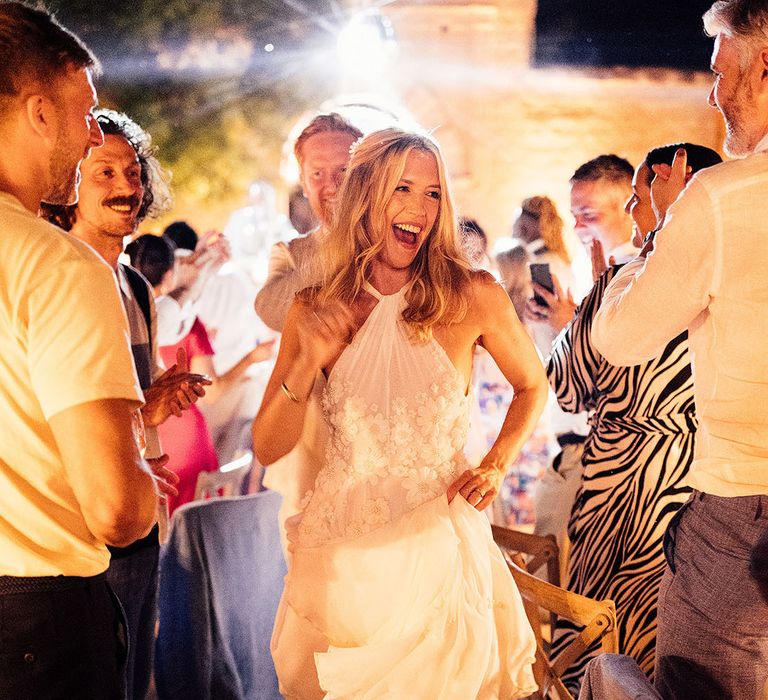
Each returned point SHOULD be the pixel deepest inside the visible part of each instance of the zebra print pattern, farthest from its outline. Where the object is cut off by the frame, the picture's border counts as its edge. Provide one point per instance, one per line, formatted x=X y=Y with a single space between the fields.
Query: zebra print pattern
x=636 y=457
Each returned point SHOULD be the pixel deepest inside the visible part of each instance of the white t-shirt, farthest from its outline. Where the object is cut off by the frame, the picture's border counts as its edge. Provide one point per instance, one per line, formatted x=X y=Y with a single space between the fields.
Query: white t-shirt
x=64 y=339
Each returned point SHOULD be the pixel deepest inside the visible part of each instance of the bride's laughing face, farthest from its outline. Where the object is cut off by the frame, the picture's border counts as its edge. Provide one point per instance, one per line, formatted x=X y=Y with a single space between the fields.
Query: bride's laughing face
x=411 y=211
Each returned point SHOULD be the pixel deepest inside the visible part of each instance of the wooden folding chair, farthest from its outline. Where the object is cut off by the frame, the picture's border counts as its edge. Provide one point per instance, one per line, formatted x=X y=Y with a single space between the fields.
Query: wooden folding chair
x=540 y=550
x=598 y=618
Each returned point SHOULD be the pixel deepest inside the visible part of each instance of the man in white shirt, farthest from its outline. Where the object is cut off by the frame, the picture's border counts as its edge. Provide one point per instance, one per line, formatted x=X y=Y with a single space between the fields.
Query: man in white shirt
x=707 y=273
x=600 y=189
x=322 y=151
x=224 y=304
x=177 y=306
x=71 y=474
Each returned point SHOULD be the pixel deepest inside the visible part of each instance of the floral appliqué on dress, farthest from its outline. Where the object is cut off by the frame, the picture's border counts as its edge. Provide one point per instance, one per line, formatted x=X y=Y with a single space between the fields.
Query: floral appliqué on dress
x=383 y=461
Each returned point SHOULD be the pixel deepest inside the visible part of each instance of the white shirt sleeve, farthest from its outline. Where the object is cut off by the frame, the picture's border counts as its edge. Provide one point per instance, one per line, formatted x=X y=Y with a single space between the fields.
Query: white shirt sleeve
x=283 y=281
x=173 y=320
x=78 y=342
x=650 y=302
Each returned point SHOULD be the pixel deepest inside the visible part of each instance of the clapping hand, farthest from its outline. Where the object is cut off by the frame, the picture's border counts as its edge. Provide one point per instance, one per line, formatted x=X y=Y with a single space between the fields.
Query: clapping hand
x=262 y=351
x=324 y=330
x=599 y=266
x=194 y=271
x=212 y=249
x=173 y=392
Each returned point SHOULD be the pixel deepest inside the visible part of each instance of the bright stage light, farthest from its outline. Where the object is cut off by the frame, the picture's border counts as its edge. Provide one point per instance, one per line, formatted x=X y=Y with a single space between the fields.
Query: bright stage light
x=367 y=43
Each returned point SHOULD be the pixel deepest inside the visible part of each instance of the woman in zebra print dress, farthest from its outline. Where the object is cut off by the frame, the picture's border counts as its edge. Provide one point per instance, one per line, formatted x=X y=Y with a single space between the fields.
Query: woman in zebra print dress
x=636 y=456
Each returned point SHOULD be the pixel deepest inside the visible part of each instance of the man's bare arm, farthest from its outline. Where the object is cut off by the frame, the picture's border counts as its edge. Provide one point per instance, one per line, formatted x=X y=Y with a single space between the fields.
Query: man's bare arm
x=109 y=478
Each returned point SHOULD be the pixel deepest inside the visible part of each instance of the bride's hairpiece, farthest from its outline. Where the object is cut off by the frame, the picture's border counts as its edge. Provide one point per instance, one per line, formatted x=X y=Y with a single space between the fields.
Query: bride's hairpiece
x=354 y=146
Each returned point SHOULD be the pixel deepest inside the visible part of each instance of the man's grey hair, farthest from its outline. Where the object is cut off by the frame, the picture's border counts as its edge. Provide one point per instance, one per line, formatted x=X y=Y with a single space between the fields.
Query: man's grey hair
x=746 y=21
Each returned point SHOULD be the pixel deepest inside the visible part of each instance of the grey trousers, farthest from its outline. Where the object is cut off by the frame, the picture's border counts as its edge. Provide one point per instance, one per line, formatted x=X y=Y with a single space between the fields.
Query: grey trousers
x=616 y=677
x=712 y=639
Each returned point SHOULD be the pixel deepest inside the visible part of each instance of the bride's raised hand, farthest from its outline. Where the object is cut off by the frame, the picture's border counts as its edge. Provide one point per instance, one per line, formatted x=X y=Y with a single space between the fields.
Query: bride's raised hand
x=324 y=329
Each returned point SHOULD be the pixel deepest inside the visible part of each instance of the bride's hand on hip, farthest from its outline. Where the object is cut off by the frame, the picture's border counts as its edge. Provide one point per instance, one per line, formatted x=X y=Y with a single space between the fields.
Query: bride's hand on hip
x=478 y=486
x=324 y=330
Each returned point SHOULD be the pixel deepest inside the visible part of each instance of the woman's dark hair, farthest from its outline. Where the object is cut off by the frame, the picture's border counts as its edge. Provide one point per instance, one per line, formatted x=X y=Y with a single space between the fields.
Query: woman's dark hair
x=699 y=157
x=151 y=255
x=181 y=234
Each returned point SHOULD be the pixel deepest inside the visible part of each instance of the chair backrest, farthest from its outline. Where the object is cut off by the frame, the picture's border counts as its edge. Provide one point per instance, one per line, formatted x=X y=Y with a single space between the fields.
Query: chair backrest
x=221 y=577
x=226 y=481
x=540 y=550
x=597 y=617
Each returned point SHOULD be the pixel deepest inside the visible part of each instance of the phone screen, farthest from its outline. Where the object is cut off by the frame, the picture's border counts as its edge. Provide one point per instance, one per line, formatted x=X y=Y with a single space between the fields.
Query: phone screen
x=540 y=274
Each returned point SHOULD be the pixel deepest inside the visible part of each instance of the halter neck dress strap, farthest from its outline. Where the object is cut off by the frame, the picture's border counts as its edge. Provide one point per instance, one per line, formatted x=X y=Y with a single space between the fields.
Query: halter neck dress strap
x=375 y=293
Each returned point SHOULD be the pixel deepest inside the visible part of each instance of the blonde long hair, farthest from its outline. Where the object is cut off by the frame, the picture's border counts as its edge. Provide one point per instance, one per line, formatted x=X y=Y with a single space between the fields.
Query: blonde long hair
x=544 y=211
x=437 y=291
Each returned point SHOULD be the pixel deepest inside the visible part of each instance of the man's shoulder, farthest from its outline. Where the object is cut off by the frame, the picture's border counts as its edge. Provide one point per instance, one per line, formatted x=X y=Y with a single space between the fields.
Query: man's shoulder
x=31 y=243
x=134 y=277
x=303 y=245
x=733 y=174
x=138 y=288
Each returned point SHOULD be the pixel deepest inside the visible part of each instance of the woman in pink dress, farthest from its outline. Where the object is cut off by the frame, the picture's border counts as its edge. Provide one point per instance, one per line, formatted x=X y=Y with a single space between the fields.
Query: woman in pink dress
x=187 y=439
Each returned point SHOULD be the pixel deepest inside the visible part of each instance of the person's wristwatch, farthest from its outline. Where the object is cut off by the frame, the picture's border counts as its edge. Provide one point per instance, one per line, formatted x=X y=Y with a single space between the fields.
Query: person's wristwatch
x=649 y=237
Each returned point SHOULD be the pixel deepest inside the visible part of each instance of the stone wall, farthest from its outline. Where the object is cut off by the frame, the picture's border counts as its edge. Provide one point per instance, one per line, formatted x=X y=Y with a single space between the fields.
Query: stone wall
x=509 y=130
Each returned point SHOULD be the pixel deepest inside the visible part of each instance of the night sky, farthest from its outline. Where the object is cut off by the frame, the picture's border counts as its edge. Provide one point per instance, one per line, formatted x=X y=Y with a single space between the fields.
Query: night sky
x=665 y=33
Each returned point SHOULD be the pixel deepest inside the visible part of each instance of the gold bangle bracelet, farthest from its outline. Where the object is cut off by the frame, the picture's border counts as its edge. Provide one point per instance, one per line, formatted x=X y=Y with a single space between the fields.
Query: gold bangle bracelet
x=289 y=393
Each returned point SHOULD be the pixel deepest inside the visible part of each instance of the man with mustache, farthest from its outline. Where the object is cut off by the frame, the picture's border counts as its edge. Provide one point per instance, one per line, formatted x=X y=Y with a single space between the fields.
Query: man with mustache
x=121 y=185
x=71 y=473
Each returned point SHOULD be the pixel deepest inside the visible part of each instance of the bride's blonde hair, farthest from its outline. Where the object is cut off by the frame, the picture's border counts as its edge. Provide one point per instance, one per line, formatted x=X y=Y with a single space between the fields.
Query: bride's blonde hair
x=437 y=291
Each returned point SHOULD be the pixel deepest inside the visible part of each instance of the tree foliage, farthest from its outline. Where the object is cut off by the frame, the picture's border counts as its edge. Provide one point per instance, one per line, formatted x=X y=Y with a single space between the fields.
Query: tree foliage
x=196 y=75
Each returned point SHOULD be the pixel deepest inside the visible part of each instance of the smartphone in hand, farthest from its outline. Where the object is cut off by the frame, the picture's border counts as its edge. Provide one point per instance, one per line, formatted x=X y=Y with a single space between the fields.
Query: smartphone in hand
x=540 y=274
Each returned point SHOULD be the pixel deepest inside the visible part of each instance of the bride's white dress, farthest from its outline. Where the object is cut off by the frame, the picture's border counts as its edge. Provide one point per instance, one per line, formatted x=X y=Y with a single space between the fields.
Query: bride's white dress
x=392 y=592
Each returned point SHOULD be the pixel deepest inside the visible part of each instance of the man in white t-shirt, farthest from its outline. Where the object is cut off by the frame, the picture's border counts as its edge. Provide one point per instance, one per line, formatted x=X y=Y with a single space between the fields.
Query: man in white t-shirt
x=71 y=474
x=240 y=340
x=707 y=274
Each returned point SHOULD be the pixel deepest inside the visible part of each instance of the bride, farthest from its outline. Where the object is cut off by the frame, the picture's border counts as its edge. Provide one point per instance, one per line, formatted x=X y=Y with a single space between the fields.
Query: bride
x=395 y=588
